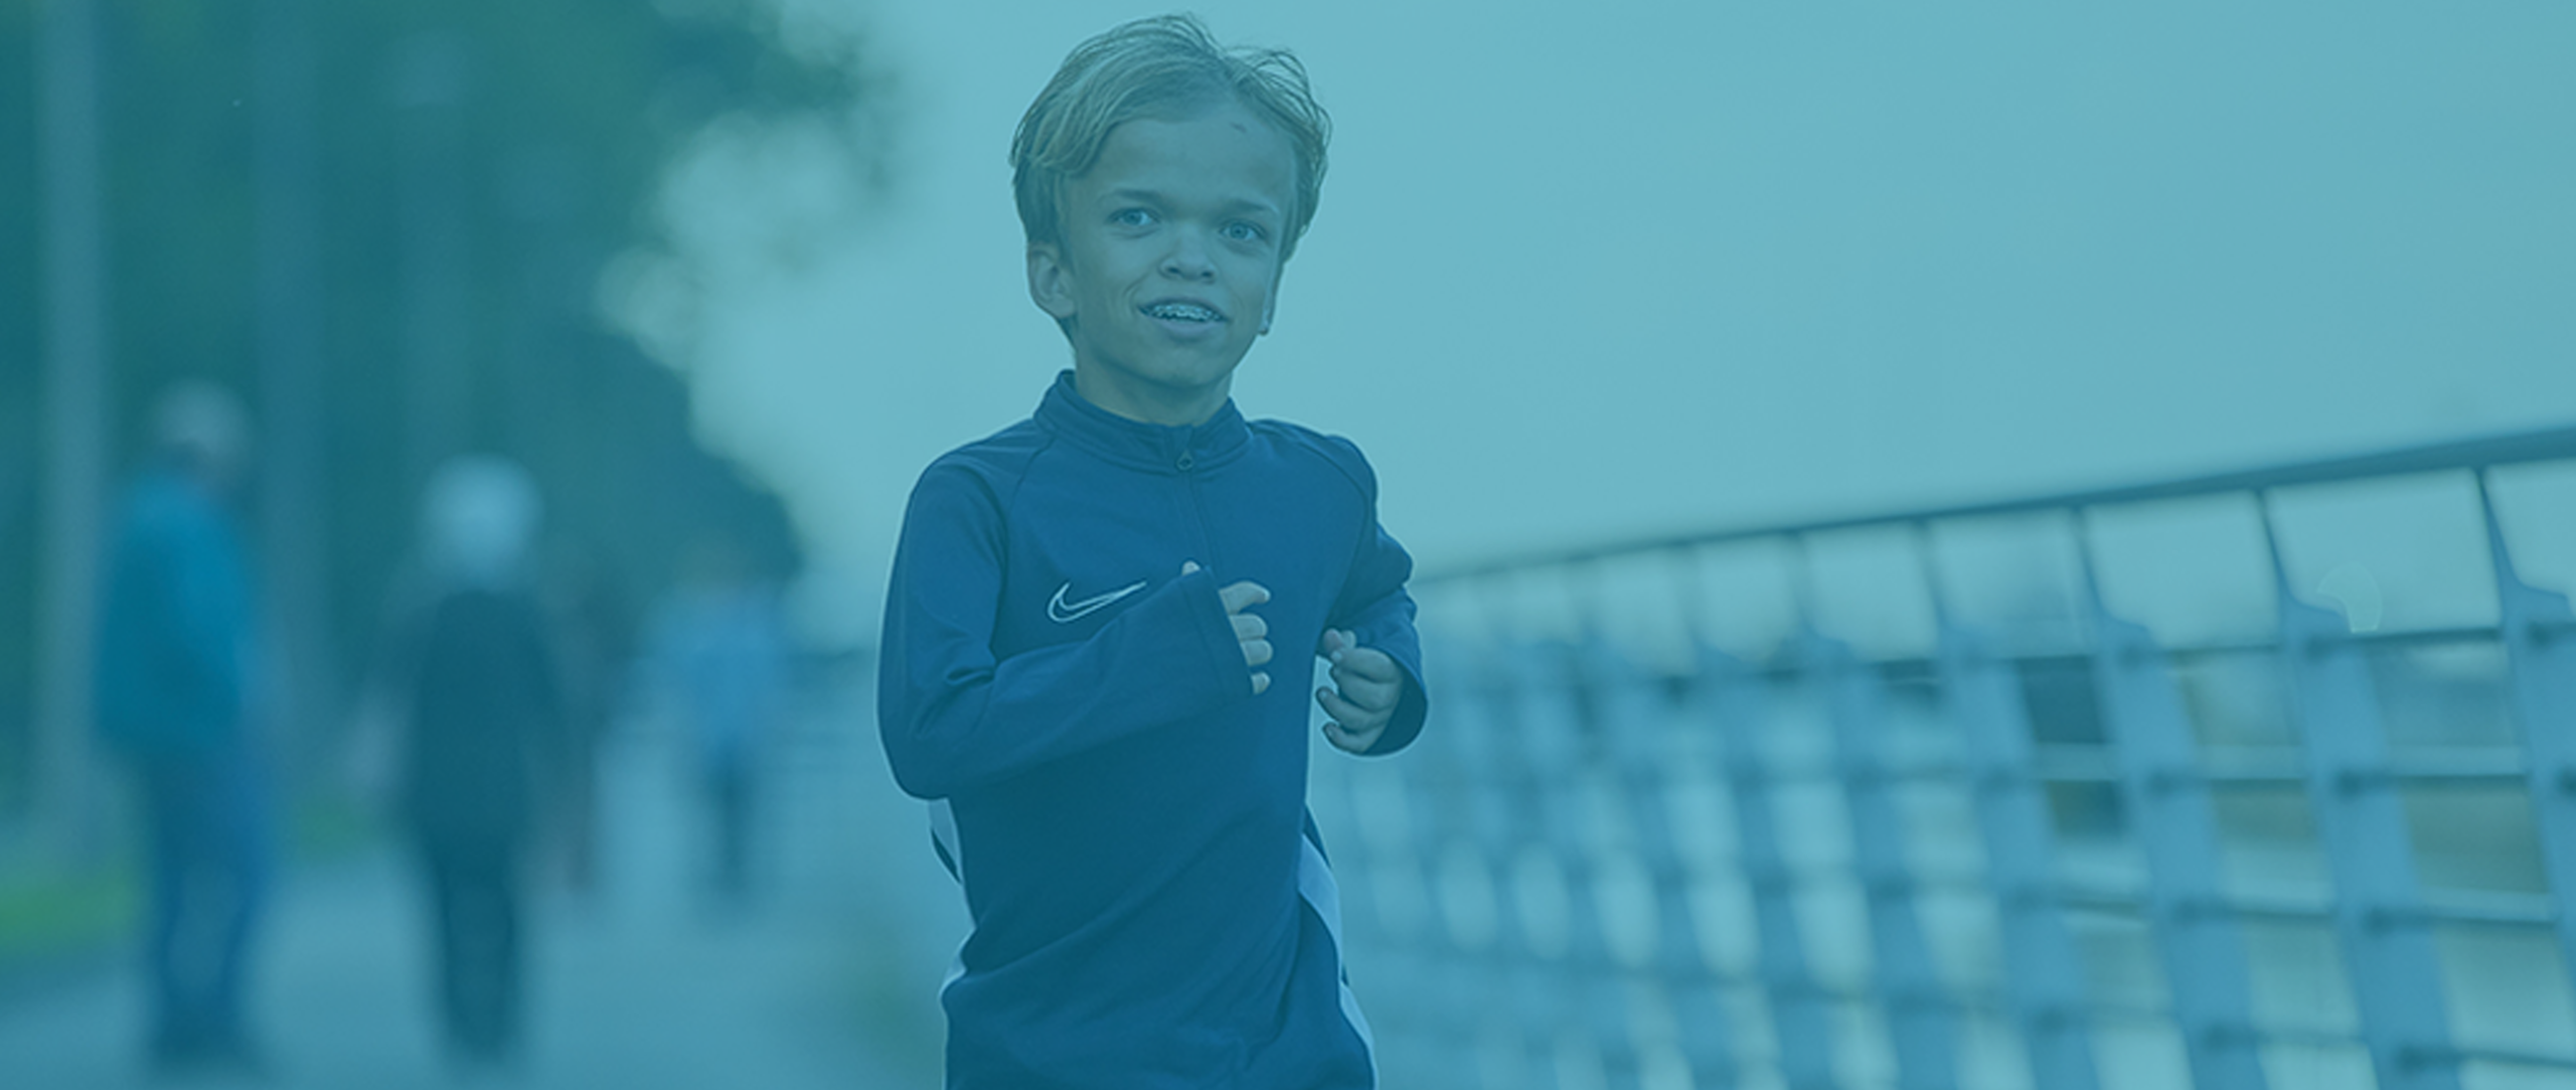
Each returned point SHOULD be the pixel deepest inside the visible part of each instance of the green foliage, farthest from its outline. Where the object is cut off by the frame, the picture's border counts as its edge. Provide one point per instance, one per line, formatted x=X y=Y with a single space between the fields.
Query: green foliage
x=541 y=158
x=46 y=915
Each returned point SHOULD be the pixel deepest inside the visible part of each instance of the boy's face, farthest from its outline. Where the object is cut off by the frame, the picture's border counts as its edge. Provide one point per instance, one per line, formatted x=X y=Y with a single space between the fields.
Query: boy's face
x=1170 y=261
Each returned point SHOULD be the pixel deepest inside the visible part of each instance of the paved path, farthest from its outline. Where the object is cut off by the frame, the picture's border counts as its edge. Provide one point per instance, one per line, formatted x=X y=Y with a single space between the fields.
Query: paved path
x=827 y=982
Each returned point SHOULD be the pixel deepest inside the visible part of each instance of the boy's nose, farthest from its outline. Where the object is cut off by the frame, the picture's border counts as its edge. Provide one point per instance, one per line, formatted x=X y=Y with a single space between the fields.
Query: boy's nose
x=1188 y=259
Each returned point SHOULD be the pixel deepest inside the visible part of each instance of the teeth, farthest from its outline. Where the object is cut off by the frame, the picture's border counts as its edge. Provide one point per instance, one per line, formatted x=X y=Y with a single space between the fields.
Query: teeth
x=1184 y=312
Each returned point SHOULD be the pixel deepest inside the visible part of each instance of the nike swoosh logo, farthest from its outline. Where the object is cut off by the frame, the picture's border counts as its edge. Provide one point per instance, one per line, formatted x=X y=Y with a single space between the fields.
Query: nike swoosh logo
x=1064 y=612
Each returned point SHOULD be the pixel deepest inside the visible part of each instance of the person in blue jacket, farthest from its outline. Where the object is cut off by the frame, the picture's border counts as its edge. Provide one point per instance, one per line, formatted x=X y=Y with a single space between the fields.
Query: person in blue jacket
x=174 y=699
x=1080 y=636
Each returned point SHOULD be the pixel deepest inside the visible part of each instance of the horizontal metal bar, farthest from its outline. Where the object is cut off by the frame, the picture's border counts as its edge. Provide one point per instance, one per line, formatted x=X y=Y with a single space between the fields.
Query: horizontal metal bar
x=1768 y=774
x=2548 y=444
x=2138 y=903
x=2276 y=770
x=2241 y=1036
x=2503 y=911
x=2447 y=771
x=2491 y=773
x=2062 y=763
x=2130 y=1012
x=2509 y=1057
x=2256 y=908
x=1812 y=772
x=2408 y=638
x=2110 y=902
x=2306 y=1037
x=1920 y=669
x=2086 y=765
x=2375 y=639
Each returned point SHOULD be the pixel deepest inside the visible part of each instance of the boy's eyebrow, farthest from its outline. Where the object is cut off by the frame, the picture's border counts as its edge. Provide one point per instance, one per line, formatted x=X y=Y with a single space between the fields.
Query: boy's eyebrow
x=1151 y=196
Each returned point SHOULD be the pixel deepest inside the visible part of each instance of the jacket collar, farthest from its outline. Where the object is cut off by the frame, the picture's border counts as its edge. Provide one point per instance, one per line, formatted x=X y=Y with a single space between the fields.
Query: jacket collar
x=1154 y=448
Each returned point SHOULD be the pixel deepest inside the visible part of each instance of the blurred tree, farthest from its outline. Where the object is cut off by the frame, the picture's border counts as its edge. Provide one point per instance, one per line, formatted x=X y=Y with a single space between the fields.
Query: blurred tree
x=18 y=394
x=458 y=173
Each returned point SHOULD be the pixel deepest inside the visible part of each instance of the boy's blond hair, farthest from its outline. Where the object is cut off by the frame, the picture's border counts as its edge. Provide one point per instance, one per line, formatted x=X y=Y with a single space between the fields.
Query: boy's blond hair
x=1159 y=67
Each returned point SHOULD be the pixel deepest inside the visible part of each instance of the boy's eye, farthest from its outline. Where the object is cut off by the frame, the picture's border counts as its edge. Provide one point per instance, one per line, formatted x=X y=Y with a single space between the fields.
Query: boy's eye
x=1132 y=217
x=1240 y=231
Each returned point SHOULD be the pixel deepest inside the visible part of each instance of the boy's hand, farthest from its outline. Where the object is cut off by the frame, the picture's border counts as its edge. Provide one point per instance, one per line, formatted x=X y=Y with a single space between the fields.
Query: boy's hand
x=1249 y=628
x=1370 y=683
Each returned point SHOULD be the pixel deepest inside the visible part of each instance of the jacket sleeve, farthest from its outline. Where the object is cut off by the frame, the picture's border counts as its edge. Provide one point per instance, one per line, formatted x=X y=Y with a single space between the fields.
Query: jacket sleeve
x=1377 y=610
x=954 y=717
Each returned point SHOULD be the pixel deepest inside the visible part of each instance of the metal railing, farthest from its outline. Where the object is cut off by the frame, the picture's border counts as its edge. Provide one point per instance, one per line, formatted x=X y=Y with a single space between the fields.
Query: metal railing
x=1968 y=797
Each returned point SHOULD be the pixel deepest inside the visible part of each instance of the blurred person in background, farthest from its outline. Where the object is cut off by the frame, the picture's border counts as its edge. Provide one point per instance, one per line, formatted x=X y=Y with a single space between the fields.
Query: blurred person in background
x=720 y=659
x=473 y=677
x=598 y=648
x=174 y=701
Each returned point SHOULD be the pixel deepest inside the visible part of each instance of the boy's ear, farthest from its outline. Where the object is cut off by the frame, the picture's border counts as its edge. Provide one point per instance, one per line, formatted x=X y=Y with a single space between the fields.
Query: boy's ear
x=1050 y=285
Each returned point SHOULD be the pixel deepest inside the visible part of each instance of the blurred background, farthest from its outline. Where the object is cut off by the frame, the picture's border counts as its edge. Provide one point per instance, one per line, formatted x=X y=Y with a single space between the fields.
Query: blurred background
x=713 y=279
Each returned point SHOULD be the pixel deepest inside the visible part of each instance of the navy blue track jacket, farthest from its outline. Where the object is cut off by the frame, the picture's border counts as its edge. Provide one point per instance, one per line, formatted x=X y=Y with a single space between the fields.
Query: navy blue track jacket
x=1151 y=904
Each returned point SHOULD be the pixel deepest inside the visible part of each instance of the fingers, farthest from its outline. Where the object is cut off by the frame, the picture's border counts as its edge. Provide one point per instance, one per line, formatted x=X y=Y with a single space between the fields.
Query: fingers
x=1242 y=596
x=1375 y=696
x=1340 y=709
x=1351 y=723
x=1351 y=729
x=1342 y=646
x=1256 y=652
x=1343 y=740
x=1366 y=664
x=1366 y=677
x=1349 y=742
x=1249 y=629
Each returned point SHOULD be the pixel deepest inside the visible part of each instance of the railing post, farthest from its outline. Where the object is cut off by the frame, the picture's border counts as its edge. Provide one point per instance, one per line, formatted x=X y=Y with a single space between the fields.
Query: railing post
x=1643 y=756
x=2168 y=811
x=2539 y=634
x=1801 y=1016
x=1480 y=1014
x=1920 y=1018
x=1592 y=998
x=1477 y=974
x=2042 y=975
x=1503 y=822
x=2395 y=972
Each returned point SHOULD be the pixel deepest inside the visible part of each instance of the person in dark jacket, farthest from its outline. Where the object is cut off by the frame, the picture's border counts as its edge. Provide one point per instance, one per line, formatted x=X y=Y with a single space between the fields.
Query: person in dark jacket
x=483 y=714
x=173 y=697
x=1085 y=607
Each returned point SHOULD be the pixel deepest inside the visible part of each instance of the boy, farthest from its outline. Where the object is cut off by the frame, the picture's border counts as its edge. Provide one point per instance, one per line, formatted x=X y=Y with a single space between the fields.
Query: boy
x=1085 y=606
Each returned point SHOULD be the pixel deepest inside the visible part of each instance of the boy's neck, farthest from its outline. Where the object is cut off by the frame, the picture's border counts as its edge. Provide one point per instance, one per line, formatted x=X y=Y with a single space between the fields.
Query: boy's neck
x=1147 y=403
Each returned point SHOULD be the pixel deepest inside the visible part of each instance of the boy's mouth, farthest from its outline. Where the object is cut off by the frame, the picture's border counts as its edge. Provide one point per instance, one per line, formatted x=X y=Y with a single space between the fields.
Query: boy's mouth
x=1181 y=312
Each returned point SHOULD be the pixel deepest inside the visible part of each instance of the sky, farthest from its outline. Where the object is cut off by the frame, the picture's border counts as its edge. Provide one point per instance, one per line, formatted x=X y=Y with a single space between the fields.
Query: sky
x=1585 y=273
